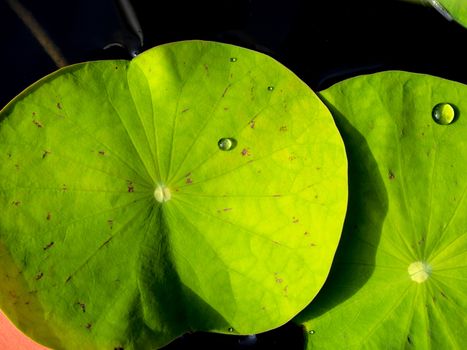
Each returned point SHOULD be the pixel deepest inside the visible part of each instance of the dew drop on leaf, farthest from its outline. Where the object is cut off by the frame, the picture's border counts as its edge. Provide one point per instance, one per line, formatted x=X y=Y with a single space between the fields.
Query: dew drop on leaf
x=270 y=88
x=444 y=113
x=233 y=59
x=230 y=329
x=312 y=331
x=227 y=144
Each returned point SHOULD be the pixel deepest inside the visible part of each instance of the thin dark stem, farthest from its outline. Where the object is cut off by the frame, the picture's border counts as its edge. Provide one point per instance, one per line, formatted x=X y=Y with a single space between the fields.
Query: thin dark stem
x=38 y=32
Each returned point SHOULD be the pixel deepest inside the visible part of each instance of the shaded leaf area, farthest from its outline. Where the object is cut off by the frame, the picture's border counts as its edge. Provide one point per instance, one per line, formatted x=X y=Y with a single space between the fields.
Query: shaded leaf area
x=407 y=202
x=124 y=224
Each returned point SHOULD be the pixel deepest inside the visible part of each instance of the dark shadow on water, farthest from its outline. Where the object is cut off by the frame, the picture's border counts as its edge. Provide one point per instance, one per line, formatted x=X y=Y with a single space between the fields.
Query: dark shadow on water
x=289 y=336
x=367 y=208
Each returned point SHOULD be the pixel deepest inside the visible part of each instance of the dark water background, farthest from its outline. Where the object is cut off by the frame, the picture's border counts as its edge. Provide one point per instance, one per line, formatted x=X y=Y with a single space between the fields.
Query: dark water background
x=322 y=42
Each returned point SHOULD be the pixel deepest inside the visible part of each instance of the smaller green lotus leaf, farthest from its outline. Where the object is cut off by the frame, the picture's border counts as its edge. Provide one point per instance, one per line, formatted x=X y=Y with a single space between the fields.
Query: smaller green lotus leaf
x=399 y=279
x=452 y=9
x=201 y=186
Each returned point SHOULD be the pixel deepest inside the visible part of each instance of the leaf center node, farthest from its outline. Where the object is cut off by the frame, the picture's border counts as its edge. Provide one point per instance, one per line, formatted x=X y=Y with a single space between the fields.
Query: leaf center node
x=162 y=194
x=419 y=271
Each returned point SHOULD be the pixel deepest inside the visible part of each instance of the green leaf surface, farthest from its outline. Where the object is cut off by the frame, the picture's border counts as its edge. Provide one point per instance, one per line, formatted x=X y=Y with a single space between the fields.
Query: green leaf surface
x=201 y=186
x=455 y=8
x=399 y=279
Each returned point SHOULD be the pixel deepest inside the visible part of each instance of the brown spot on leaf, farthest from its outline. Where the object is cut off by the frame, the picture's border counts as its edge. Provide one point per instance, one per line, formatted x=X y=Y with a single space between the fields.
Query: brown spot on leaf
x=226 y=89
x=45 y=154
x=252 y=124
x=185 y=110
x=39 y=276
x=102 y=153
x=391 y=175
x=245 y=152
x=295 y=220
x=110 y=223
x=443 y=295
x=59 y=106
x=16 y=203
x=283 y=128
x=88 y=326
x=48 y=246
x=82 y=306
x=49 y=216
x=37 y=123
x=107 y=241
x=68 y=279
x=279 y=280
x=130 y=186
x=189 y=181
x=227 y=209
x=64 y=188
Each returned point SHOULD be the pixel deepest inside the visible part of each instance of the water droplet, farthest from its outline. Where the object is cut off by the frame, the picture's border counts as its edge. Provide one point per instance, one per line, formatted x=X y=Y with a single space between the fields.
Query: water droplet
x=230 y=329
x=444 y=113
x=233 y=59
x=419 y=271
x=312 y=331
x=227 y=143
x=270 y=88
x=162 y=194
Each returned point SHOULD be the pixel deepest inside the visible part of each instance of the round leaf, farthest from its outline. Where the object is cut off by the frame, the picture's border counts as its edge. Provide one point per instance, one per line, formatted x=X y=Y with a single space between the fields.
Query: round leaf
x=201 y=186
x=399 y=278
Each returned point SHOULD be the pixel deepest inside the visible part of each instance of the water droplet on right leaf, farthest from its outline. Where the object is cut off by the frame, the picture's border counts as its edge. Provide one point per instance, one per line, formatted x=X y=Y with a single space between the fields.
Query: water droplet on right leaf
x=233 y=59
x=312 y=331
x=270 y=88
x=444 y=113
x=230 y=329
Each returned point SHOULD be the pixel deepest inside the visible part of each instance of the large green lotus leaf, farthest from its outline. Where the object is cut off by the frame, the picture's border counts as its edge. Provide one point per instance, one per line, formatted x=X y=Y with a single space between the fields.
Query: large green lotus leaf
x=126 y=220
x=399 y=279
x=455 y=8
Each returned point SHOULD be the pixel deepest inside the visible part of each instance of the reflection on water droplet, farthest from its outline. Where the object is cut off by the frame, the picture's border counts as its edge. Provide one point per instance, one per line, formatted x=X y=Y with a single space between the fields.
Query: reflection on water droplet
x=312 y=331
x=270 y=88
x=247 y=341
x=419 y=271
x=230 y=329
x=444 y=113
x=233 y=59
x=227 y=143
